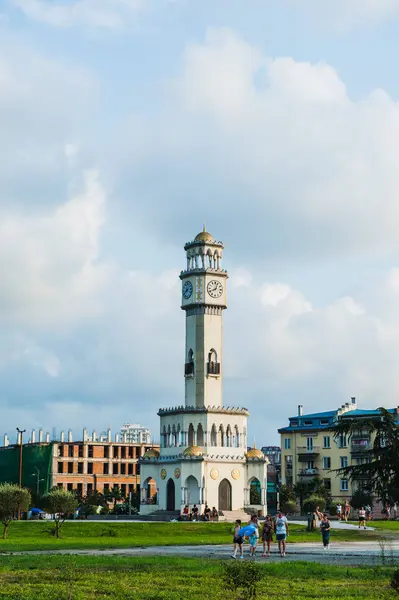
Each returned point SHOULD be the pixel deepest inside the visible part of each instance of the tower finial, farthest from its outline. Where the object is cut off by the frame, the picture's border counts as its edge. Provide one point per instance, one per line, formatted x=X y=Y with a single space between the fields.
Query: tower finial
x=204 y=227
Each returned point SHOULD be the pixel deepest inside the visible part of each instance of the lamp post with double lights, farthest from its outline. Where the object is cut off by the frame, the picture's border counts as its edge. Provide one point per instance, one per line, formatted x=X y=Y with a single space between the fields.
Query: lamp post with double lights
x=38 y=480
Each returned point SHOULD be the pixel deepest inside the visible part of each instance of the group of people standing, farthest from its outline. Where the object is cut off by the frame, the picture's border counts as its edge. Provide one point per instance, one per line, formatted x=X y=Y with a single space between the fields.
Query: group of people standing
x=343 y=511
x=277 y=526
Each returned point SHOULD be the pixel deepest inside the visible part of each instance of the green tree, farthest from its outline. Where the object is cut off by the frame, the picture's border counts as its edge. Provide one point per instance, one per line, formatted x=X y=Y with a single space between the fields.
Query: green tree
x=89 y=504
x=380 y=471
x=361 y=498
x=115 y=496
x=60 y=504
x=12 y=499
x=301 y=491
x=286 y=494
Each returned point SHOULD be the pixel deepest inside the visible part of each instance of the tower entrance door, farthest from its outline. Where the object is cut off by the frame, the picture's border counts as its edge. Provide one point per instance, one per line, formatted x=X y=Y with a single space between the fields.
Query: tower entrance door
x=170 y=495
x=225 y=495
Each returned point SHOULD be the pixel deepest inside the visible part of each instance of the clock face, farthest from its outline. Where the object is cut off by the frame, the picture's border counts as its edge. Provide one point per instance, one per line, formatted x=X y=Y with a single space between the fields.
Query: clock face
x=187 y=289
x=214 y=288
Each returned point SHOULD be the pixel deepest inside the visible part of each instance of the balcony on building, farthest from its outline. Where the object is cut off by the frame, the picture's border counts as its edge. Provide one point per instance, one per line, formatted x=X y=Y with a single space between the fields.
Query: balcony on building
x=360 y=444
x=306 y=453
x=314 y=472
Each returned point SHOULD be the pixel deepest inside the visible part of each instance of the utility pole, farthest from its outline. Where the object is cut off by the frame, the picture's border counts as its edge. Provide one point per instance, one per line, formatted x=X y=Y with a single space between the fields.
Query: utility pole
x=20 y=434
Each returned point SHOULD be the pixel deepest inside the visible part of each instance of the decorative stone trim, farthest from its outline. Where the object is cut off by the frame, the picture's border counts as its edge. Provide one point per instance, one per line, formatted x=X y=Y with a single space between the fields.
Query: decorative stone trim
x=203 y=309
x=229 y=410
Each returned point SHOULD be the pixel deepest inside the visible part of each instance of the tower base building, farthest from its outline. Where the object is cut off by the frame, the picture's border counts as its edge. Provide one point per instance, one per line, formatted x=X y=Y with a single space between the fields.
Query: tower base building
x=203 y=456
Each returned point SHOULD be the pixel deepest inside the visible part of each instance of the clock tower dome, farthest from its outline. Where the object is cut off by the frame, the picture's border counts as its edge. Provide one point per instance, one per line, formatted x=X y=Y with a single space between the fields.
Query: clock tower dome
x=203 y=300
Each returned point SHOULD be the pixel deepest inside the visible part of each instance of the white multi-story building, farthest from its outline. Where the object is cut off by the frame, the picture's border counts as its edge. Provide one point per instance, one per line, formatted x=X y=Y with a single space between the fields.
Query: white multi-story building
x=135 y=434
x=203 y=456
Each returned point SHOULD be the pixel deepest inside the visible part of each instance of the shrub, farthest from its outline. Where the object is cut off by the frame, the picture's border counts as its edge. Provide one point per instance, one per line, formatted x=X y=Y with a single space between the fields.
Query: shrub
x=332 y=509
x=395 y=581
x=289 y=507
x=312 y=502
x=243 y=577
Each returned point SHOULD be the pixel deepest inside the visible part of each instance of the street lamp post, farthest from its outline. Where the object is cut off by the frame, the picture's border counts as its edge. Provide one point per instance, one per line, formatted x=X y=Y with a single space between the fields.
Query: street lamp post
x=20 y=434
x=38 y=480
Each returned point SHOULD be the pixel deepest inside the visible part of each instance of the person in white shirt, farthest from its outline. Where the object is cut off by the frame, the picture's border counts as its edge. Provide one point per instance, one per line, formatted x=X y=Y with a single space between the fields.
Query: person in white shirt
x=281 y=529
x=362 y=517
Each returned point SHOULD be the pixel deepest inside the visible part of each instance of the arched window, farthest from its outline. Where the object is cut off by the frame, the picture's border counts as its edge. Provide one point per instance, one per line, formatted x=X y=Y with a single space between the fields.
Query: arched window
x=236 y=437
x=255 y=491
x=191 y=435
x=209 y=253
x=178 y=435
x=189 y=366
x=214 y=441
x=174 y=436
x=221 y=436
x=165 y=437
x=169 y=437
x=200 y=435
x=213 y=364
x=228 y=436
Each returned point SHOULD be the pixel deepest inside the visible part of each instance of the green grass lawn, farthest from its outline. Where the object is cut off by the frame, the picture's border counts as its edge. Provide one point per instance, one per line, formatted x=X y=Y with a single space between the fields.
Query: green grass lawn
x=117 y=578
x=38 y=535
x=387 y=525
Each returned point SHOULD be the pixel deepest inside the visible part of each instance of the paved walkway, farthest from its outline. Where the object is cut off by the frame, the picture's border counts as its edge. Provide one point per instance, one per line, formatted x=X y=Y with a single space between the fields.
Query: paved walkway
x=340 y=553
x=336 y=525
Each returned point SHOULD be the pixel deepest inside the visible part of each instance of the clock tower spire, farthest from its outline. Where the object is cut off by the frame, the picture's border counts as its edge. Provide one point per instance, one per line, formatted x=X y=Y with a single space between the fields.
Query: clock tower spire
x=203 y=300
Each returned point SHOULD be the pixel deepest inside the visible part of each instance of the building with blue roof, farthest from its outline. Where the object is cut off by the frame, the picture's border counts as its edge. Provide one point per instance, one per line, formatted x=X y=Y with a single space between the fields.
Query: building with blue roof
x=309 y=449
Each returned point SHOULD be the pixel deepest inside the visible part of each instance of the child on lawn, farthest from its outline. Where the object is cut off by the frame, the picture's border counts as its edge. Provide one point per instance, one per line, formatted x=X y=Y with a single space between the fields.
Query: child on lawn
x=237 y=540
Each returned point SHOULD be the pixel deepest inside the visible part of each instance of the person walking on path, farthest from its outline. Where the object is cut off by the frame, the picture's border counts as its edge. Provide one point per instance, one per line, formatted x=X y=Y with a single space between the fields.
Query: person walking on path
x=339 y=511
x=325 y=528
x=253 y=538
x=282 y=531
x=267 y=535
x=368 y=512
x=347 y=510
x=237 y=540
x=362 y=517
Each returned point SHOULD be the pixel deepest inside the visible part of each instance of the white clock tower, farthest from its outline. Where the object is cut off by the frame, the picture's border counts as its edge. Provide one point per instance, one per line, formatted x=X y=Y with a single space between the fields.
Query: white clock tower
x=203 y=300
x=203 y=457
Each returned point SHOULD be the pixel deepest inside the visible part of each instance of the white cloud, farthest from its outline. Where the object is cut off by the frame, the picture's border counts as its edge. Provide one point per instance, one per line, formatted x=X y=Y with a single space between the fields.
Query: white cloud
x=48 y=261
x=108 y=14
x=294 y=165
x=345 y=13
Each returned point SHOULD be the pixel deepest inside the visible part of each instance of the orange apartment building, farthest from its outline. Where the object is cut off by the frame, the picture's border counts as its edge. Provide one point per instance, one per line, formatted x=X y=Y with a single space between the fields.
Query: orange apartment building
x=86 y=467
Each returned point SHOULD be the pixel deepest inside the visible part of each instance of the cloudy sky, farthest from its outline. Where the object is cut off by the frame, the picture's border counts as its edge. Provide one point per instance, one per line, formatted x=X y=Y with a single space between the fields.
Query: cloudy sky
x=123 y=125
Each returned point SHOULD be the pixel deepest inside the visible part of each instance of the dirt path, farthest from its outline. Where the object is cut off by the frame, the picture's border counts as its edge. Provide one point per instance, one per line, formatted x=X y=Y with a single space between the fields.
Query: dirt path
x=340 y=553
